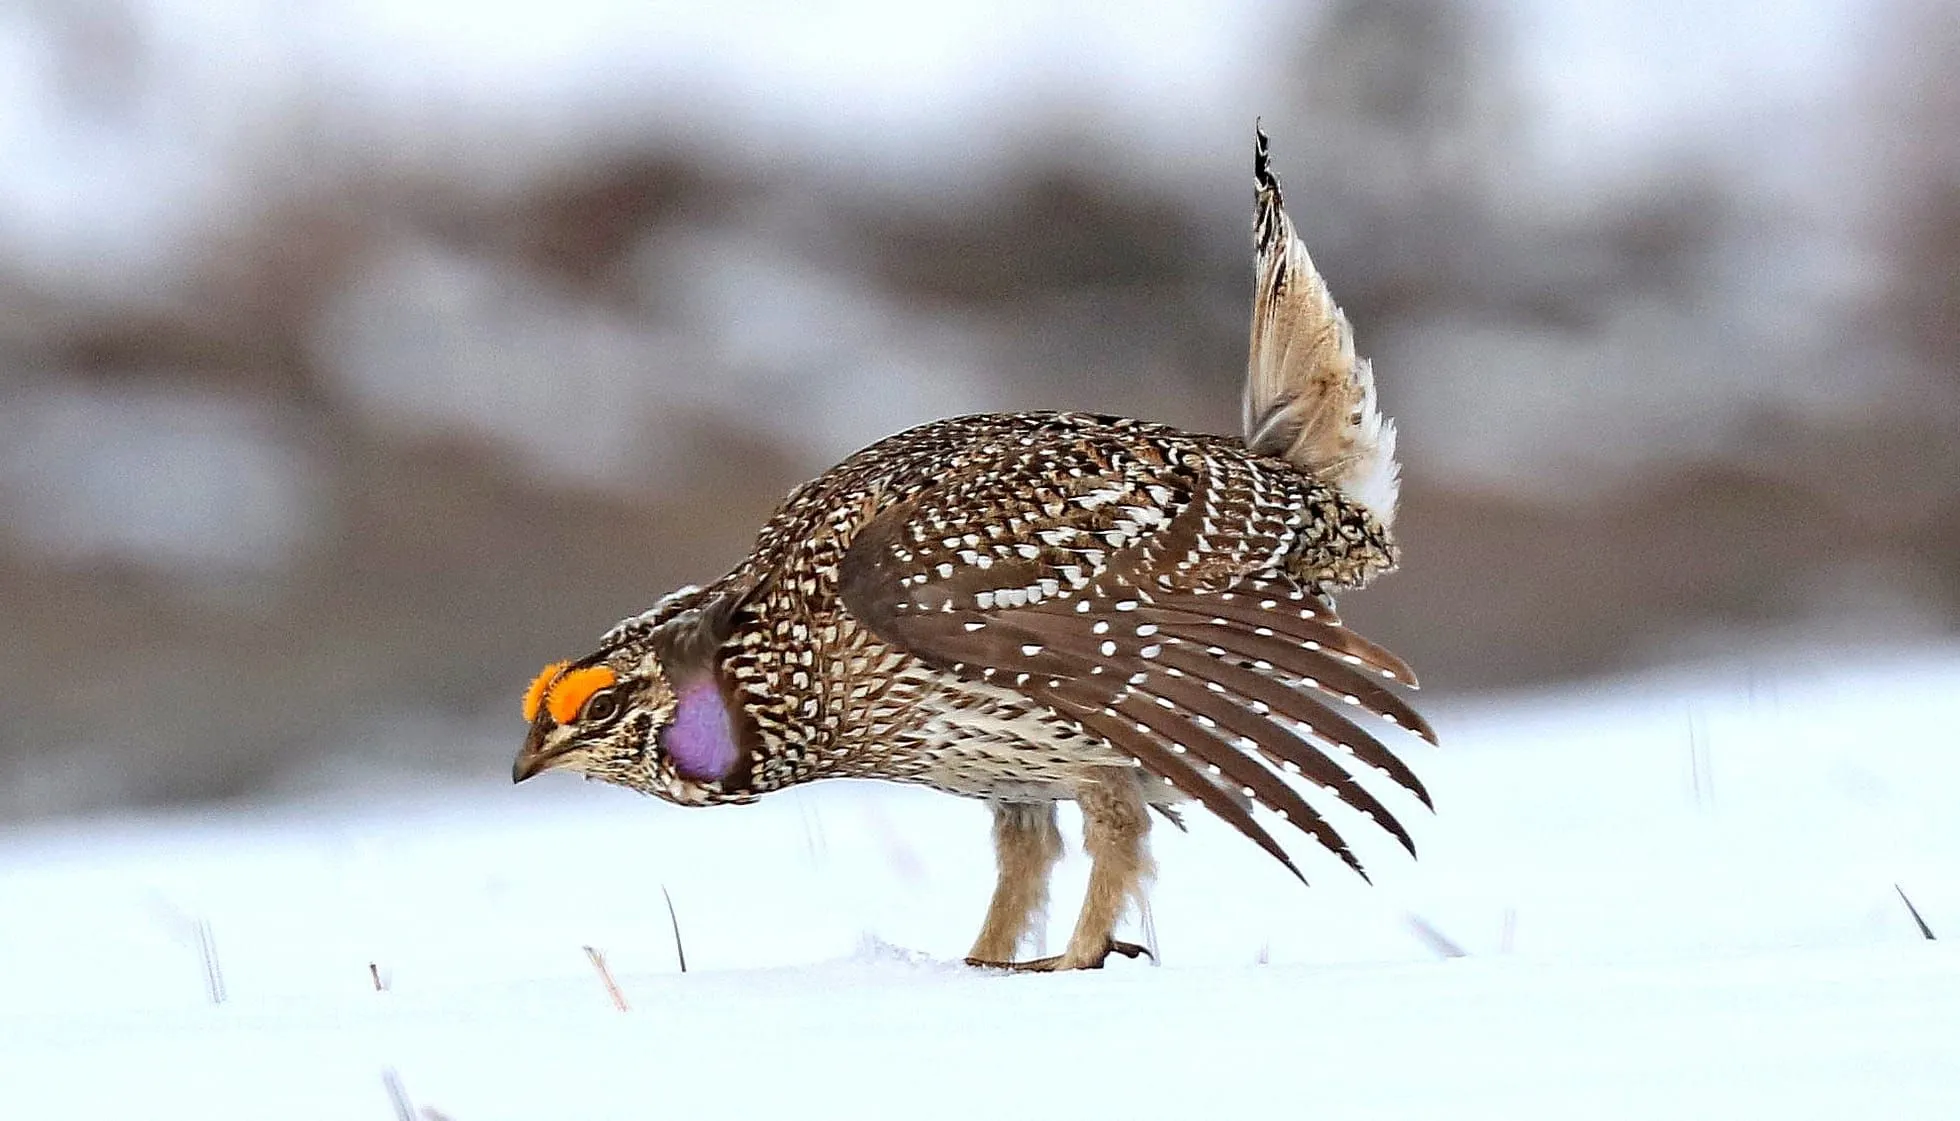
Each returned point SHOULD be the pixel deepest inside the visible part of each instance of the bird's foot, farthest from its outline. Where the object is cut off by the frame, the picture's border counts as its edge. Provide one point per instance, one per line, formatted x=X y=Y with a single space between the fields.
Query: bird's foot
x=1071 y=960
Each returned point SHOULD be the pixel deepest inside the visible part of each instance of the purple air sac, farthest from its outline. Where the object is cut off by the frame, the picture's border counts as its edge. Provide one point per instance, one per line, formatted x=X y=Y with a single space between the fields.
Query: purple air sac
x=701 y=739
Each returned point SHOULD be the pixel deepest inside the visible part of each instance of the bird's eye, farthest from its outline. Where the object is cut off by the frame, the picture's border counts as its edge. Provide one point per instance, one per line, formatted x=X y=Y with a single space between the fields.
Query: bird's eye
x=603 y=706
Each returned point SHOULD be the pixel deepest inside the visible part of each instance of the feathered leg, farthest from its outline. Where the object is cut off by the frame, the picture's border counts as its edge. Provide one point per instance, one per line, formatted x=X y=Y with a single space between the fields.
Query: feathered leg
x=1027 y=844
x=1115 y=828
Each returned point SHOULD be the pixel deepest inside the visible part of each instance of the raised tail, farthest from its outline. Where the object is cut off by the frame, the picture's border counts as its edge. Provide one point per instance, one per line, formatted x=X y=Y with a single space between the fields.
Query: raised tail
x=1308 y=398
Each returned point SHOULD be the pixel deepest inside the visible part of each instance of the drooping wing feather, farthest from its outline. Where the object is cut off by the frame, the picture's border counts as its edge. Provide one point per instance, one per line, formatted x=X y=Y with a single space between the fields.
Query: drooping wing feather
x=1149 y=610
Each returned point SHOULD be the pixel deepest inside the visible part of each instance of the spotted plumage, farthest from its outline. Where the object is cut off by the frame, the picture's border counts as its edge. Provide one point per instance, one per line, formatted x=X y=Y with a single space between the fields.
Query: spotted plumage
x=1035 y=607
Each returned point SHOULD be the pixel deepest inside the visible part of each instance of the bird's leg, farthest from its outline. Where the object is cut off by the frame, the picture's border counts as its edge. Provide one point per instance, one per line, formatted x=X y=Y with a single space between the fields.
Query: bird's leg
x=1115 y=827
x=1027 y=844
x=1115 y=832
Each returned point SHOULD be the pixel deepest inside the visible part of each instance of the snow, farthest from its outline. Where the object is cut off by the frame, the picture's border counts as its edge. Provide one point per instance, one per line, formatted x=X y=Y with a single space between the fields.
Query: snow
x=1674 y=897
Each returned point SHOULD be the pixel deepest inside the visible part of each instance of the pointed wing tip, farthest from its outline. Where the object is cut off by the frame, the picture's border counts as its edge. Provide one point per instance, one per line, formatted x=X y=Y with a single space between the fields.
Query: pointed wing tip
x=1397 y=830
x=1413 y=784
x=1410 y=721
x=1354 y=862
x=1295 y=869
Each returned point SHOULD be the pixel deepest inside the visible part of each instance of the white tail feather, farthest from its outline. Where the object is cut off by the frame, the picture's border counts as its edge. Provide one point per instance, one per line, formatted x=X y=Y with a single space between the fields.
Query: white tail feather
x=1308 y=399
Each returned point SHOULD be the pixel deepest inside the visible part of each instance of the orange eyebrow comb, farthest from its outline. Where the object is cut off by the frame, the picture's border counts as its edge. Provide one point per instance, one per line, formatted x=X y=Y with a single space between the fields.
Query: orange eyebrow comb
x=534 y=696
x=570 y=692
x=562 y=694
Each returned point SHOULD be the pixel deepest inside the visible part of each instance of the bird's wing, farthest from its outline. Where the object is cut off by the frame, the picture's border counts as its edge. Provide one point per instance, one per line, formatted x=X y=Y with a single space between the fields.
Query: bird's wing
x=1135 y=604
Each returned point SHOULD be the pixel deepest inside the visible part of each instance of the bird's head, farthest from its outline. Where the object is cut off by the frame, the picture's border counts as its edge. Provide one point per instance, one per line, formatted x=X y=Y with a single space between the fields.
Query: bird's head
x=650 y=711
x=598 y=718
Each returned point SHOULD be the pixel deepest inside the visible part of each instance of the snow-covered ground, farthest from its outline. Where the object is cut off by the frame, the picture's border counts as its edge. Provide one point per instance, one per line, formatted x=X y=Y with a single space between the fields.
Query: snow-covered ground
x=1673 y=897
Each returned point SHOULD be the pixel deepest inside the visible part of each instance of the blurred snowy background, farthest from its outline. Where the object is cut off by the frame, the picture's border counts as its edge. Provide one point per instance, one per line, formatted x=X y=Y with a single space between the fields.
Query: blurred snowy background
x=359 y=356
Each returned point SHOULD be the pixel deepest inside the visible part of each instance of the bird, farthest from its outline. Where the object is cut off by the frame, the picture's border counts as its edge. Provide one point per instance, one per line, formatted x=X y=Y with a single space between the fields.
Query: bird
x=1037 y=607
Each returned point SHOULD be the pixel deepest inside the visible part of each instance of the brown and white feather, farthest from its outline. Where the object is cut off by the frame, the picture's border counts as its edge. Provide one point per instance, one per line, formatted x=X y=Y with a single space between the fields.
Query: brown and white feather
x=1030 y=607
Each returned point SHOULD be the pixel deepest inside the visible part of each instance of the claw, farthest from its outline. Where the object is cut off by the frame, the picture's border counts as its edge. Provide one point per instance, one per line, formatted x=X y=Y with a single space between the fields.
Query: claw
x=1061 y=962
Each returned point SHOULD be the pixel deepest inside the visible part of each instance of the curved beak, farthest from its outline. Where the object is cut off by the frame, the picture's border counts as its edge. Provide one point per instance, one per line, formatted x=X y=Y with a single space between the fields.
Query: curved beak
x=532 y=759
x=527 y=766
